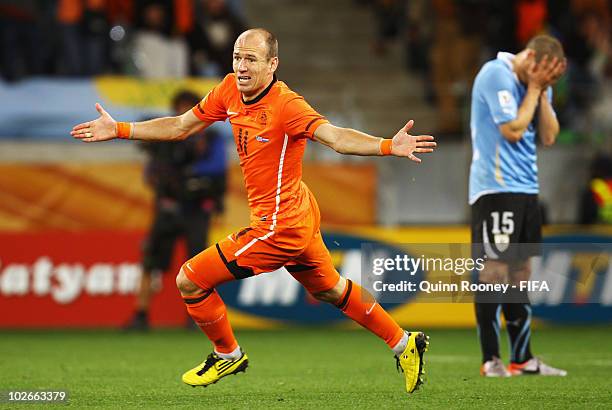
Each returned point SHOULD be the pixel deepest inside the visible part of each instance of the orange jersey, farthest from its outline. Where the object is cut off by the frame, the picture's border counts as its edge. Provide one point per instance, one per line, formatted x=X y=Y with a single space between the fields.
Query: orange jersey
x=270 y=134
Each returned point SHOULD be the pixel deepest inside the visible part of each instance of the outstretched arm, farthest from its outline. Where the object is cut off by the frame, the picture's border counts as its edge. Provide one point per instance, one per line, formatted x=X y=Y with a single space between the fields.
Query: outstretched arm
x=349 y=141
x=159 y=129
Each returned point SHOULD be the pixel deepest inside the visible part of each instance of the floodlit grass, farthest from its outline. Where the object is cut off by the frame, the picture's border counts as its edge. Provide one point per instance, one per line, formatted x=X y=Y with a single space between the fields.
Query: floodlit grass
x=298 y=368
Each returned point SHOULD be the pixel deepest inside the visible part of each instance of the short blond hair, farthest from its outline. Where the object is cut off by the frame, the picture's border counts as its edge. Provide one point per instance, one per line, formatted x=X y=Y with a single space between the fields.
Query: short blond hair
x=545 y=45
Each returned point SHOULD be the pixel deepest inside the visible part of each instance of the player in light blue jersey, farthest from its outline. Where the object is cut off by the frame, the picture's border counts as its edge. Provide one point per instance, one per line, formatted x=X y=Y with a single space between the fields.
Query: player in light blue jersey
x=511 y=107
x=501 y=164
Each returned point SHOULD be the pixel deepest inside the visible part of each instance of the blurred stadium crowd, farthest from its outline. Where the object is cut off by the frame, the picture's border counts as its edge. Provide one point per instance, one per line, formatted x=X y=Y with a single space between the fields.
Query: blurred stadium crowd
x=446 y=41
x=149 y=38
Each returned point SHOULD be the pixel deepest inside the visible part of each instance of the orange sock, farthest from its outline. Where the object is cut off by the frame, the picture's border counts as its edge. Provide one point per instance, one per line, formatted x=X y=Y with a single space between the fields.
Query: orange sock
x=359 y=305
x=208 y=311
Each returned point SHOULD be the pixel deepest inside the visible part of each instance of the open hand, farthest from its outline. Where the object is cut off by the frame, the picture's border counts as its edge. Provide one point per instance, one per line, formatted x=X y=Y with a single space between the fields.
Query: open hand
x=546 y=72
x=405 y=145
x=101 y=129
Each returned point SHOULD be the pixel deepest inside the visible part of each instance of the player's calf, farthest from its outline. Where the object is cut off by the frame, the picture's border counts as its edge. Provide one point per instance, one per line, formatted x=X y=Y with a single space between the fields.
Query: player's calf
x=359 y=305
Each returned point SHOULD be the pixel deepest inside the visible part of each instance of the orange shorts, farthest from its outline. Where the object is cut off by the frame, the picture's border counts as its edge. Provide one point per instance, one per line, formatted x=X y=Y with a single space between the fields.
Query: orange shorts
x=257 y=249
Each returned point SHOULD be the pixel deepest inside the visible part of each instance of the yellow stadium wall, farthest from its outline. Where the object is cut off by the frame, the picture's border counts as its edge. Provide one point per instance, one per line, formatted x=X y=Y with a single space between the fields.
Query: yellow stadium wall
x=81 y=196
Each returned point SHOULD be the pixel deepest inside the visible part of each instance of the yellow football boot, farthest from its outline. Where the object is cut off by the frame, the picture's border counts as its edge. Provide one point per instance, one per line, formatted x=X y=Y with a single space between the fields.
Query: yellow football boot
x=411 y=360
x=213 y=369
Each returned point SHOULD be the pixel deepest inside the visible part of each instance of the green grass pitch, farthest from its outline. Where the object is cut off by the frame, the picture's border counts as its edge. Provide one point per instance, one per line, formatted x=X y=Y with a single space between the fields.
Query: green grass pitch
x=298 y=368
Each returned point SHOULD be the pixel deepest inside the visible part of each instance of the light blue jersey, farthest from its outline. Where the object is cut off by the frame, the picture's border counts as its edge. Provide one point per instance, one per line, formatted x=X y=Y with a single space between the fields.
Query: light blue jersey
x=497 y=164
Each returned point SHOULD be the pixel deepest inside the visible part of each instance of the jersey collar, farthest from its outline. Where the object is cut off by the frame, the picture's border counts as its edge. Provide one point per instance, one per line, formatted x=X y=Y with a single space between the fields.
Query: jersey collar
x=507 y=58
x=261 y=95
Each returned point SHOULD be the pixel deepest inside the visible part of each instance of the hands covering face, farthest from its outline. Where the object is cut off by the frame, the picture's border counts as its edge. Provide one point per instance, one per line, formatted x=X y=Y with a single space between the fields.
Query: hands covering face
x=546 y=72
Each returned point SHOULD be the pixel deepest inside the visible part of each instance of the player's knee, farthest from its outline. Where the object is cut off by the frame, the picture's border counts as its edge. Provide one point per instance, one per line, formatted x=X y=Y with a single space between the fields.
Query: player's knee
x=184 y=284
x=520 y=272
x=494 y=272
x=332 y=295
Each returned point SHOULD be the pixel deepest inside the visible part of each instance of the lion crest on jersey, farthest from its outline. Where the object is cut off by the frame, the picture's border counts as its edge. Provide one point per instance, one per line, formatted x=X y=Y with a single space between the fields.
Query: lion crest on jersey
x=262 y=118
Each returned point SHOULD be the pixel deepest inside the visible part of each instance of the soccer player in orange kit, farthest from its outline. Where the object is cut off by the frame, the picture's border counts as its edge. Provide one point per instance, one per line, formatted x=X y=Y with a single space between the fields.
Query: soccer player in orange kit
x=270 y=124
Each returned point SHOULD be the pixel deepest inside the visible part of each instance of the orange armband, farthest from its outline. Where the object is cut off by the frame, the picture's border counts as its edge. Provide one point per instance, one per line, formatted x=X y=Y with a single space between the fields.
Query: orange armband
x=124 y=130
x=385 y=146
